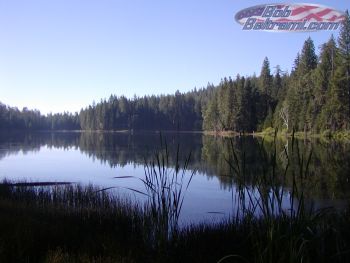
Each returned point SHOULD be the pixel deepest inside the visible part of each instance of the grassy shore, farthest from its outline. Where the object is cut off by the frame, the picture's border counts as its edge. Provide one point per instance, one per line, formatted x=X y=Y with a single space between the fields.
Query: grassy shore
x=83 y=224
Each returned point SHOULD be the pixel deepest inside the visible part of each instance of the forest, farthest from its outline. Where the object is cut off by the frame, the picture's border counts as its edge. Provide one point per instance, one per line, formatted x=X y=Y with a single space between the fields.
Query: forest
x=314 y=97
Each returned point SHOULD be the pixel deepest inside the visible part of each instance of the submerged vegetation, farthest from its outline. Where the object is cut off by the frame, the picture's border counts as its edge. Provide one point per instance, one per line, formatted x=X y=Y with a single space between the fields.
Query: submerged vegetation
x=273 y=219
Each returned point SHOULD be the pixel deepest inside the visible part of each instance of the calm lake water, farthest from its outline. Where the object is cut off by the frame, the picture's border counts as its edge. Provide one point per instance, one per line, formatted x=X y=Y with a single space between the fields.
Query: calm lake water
x=97 y=158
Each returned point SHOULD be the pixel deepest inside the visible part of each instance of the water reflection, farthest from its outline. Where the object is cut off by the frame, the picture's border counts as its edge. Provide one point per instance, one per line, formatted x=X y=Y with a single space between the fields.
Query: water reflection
x=327 y=180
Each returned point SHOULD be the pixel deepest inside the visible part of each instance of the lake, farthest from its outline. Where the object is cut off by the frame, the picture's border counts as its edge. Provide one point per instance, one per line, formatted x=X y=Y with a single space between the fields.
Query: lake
x=98 y=158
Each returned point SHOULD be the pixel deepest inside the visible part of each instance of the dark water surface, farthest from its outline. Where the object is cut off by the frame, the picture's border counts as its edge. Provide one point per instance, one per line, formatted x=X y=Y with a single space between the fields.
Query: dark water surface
x=96 y=158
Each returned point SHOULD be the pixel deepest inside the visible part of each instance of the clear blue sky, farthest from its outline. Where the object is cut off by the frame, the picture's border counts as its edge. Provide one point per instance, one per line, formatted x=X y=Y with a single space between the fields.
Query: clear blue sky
x=58 y=55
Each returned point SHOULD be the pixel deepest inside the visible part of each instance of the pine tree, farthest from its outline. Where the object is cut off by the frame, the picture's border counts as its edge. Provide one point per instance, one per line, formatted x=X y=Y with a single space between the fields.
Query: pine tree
x=265 y=80
x=242 y=115
x=296 y=64
x=336 y=109
x=211 y=116
x=302 y=88
x=344 y=52
x=308 y=58
x=323 y=77
x=277 y=84
x=247 y=123
x=224 y=104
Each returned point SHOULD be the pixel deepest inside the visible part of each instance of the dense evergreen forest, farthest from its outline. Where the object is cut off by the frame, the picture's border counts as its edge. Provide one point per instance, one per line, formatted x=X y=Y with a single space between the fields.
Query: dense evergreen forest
x=313 y=97
x=25 y=119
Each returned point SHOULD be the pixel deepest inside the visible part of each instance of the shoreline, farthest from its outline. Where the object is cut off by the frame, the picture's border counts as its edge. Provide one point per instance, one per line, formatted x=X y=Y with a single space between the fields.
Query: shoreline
x=267 y=133
x=270 y=133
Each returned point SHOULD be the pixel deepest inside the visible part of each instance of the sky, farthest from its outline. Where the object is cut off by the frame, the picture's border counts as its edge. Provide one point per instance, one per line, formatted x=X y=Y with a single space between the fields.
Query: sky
x=61 y=55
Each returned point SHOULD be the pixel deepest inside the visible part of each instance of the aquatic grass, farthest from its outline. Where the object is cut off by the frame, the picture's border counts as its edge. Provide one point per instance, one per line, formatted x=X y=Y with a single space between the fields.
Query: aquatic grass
x=165 y=187
x=278 y=231
x=81 y=220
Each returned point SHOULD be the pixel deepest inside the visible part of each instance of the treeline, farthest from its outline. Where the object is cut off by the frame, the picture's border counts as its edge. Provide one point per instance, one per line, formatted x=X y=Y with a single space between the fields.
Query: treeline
x=313 y=97
x=13 y=118
x=181 y=111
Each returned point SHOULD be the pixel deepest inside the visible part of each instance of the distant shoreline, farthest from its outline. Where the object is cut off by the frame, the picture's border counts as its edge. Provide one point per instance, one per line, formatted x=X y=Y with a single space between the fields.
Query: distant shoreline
x=267 y=133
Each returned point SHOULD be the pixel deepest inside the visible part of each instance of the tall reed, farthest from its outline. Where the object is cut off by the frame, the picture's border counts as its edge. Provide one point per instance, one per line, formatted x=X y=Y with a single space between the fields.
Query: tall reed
x=278 y=230
x=165 y=186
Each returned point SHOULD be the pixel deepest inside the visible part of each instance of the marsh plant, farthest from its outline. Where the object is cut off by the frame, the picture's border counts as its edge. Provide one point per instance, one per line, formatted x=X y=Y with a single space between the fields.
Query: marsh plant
x=165 y=186
x=282 y=224
x=270 y=190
